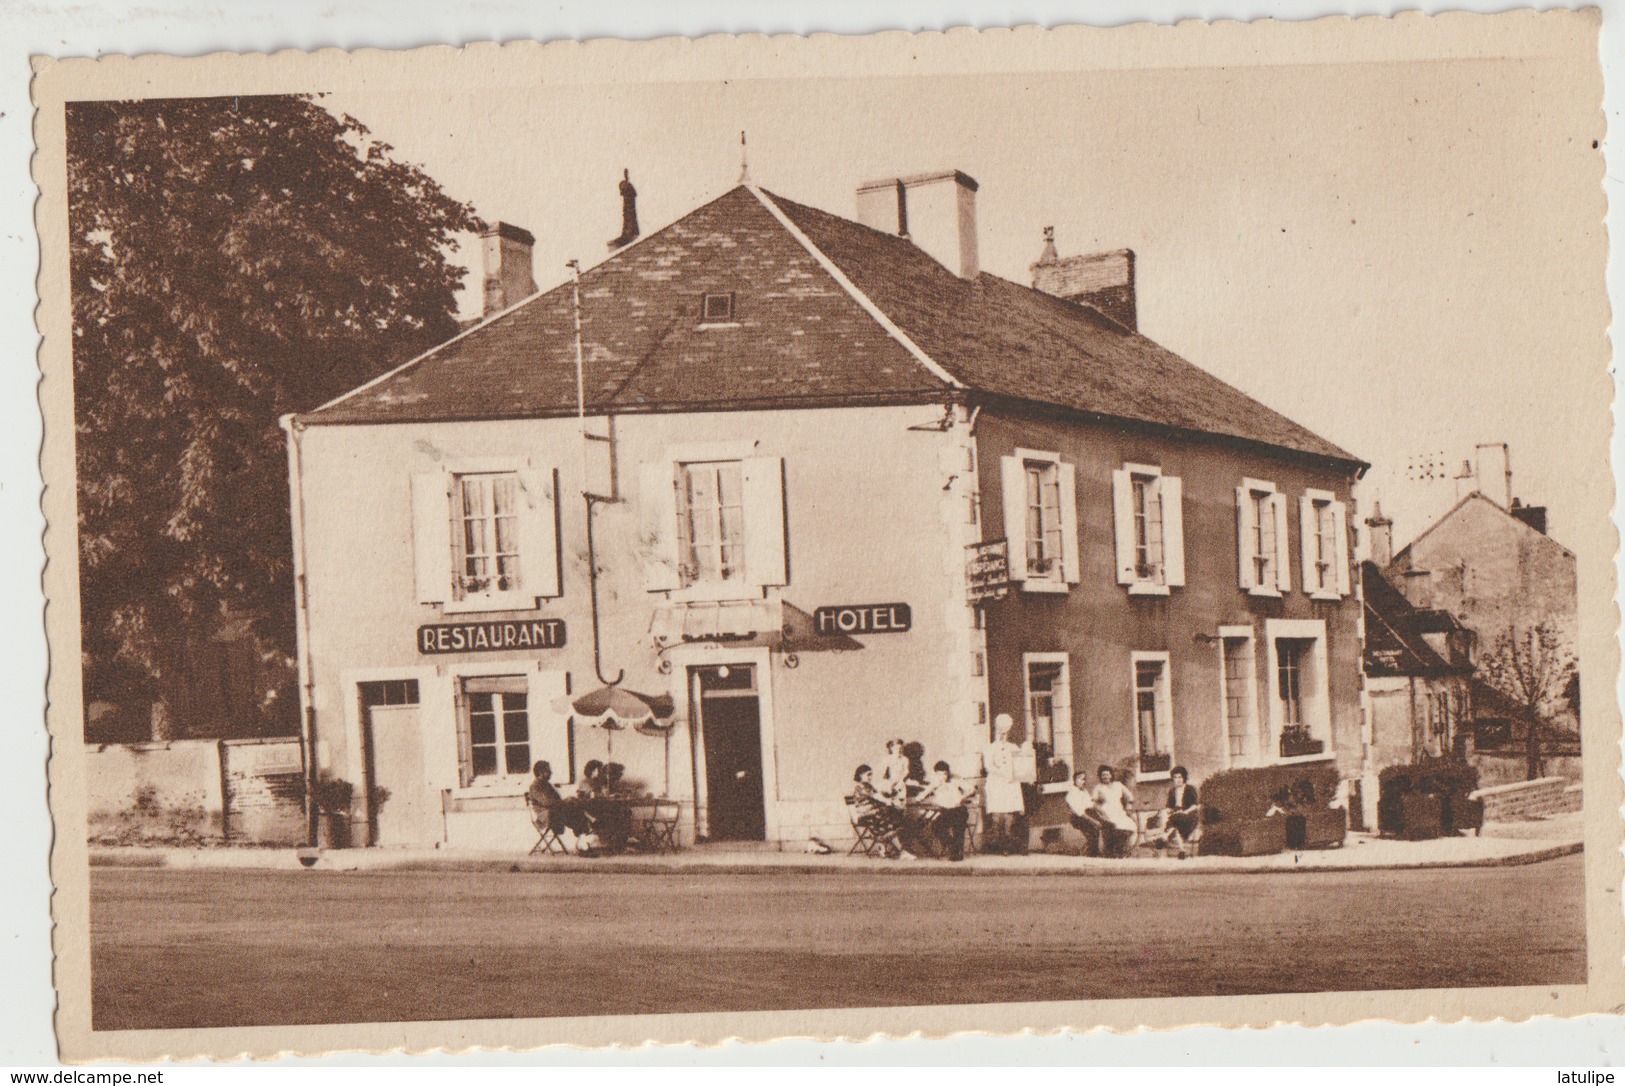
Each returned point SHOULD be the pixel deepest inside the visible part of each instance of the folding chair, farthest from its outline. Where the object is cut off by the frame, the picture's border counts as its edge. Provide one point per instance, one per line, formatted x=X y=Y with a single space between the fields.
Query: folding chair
x=546 y=839
x=865 y=840
x=657 y=830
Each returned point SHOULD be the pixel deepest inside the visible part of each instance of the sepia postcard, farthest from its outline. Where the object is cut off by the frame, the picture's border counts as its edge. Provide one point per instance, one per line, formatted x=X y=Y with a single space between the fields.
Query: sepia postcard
x=610 y=542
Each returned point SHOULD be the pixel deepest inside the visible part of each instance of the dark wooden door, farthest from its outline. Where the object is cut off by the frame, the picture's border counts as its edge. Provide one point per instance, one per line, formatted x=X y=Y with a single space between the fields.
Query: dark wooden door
x=730 y=714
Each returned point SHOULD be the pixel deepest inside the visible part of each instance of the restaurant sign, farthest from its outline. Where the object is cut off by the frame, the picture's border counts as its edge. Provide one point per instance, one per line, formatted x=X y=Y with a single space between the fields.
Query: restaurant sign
x=536 y=633
x=987 y=570
x=862 y=618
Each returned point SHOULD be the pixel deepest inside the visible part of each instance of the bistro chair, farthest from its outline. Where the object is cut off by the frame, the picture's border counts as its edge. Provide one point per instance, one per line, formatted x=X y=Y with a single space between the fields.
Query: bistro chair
x=865 y=839
x=547 y=840
x=657 y=825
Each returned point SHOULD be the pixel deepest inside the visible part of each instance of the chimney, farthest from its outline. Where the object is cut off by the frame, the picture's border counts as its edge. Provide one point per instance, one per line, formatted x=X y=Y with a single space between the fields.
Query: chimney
x=1419 y=588
x=1102 y=281
x=1382 y=537
x=629 y=213
x=1495 y=473
x=936 y=211
x=1532 y=515
x=508 y=279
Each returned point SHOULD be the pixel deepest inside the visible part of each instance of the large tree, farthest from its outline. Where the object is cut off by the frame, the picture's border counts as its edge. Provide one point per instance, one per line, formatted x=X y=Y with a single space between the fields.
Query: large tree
x=1532 y=668
x=232 y=259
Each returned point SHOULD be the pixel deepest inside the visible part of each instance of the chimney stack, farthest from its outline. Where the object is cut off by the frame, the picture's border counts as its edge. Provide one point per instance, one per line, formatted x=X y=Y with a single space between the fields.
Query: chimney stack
x=1532 y=515
x=1101 y=281
x=507 y=252
x=629 y=213
x=936 y=211
x=1382 y=537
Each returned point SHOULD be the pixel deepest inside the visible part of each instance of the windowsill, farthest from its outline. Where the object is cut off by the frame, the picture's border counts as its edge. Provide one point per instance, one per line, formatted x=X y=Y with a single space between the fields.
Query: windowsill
x=1152 y=778
x=512 y=601
x=709 y=325
x=1297 y=759
x=1045 y=584
x=497 y=788
x=1265 y=593
x=1326 y=597
x=723 y=592
x=1148 y=588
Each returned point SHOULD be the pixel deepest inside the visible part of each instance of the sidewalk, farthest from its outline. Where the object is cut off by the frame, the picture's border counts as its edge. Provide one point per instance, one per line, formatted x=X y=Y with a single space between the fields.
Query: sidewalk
x=1502 y=845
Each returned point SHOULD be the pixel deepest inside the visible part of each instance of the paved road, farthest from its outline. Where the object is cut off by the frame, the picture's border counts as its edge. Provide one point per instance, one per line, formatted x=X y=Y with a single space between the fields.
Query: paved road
x=218 y=948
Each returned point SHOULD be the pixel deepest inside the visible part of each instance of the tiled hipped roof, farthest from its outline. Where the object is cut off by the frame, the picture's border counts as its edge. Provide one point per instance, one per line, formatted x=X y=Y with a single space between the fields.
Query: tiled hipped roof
x=801 y=338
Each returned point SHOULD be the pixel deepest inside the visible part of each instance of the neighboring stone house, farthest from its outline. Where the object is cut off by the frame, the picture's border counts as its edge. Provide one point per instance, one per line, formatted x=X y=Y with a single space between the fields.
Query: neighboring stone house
x=1419 y=676
x=1495 y=569
x=792 y=429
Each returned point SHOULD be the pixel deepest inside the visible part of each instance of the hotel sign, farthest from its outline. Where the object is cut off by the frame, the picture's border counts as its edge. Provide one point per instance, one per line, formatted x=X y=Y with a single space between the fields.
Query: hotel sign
x=535 y=633
x=862 y=618
x=987 y=570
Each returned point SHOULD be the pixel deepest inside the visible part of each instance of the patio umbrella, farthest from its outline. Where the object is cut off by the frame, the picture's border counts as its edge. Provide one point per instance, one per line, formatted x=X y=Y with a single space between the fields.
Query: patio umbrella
x=615 y=708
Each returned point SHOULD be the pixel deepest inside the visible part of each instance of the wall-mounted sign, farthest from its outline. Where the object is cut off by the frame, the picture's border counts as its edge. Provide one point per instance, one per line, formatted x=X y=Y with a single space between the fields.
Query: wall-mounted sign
x=862 y=618
x=535 y=633
x=987 y=570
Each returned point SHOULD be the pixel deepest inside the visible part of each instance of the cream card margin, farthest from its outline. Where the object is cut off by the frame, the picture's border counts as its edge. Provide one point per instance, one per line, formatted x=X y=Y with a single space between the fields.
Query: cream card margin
x=892 y=54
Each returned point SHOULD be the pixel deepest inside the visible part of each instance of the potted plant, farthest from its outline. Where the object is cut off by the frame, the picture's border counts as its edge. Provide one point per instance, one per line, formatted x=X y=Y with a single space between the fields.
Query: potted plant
x=1156 y=763
x=1296 y=742
x=333 y=796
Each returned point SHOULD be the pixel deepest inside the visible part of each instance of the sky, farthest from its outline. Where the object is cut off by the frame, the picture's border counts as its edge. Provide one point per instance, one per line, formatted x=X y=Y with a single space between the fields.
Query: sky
x=1381 y=251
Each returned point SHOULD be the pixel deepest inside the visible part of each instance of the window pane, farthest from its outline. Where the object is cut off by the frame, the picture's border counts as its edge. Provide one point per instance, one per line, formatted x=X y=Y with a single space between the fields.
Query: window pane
x=485 y=761
x=482 y=727
x=518 y=757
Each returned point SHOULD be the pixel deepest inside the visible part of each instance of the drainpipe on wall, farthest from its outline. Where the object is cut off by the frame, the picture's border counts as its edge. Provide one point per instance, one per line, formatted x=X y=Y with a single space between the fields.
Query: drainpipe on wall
x=307 y=689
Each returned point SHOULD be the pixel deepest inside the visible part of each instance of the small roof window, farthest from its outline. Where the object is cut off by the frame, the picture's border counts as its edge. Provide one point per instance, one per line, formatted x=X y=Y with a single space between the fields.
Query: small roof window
x=716 y=308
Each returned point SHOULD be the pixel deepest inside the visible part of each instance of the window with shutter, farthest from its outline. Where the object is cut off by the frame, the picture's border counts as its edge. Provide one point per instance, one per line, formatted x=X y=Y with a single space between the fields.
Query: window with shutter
x=1153 y=714
x=1041 y=520
x=1323 y=530
x=1261 y=545
x=485 y=539
x=1149 y=513
x=715 y=529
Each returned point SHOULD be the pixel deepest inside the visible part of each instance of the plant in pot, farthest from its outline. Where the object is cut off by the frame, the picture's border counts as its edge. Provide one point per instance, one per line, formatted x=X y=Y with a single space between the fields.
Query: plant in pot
x=1297 y=742
x=333 y=796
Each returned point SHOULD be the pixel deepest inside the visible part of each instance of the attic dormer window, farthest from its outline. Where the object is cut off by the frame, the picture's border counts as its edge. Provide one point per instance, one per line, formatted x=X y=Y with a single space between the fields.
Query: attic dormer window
x=716 y=308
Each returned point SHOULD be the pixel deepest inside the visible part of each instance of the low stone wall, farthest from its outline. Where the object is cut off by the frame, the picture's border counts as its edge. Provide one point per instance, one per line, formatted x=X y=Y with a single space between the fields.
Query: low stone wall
x=1529 y=799
x=1512 y=767
x=196 y=792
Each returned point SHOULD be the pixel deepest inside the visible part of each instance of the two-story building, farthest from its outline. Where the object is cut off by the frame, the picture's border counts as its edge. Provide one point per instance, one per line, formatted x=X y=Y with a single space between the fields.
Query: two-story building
x=744 y=462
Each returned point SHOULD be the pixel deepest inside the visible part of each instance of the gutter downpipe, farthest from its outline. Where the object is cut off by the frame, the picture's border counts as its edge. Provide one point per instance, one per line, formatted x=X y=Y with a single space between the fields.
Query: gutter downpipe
x=587 y=496
x=307 y=688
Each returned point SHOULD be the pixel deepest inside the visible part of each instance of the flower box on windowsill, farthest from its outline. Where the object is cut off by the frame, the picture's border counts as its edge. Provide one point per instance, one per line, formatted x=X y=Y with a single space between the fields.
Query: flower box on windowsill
x=1156 y=763
x=1296 y=743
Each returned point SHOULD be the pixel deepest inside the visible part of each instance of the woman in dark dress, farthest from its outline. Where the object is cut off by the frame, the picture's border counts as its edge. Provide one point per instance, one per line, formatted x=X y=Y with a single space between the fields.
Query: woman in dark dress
x=1182 y=813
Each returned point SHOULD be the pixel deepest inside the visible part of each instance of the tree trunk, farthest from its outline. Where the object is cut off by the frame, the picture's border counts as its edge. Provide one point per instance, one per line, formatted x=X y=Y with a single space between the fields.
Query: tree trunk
x=1535 y=767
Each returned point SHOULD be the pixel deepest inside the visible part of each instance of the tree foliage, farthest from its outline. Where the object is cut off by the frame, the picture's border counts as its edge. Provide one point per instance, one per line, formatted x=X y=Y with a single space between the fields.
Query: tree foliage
x=232 y=260
x=1534 y=670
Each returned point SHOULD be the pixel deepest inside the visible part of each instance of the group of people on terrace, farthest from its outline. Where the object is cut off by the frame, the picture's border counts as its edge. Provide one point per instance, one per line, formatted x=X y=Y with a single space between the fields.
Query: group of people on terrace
x=909 y=812
x=597 y=814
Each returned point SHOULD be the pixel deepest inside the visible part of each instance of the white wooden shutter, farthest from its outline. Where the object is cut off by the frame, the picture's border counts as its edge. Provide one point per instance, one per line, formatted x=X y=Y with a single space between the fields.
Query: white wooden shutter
x=1067 y=476
x=1283 y=547
x=1013 y=480
x=538 y=533
x=1123 y=522
x=1246 y=526
x=1172 y=495
x=763 y=492
x=1340 y=513
x=440 y=717
x=431 y=535
x=549 y=724
x=1308 y=543
x=657 y=508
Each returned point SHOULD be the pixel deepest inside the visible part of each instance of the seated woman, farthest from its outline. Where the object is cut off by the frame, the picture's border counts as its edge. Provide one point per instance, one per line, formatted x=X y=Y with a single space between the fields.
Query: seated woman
x=1114 y=804
x=611 y=818
x=876 y=815
x=1181 y=814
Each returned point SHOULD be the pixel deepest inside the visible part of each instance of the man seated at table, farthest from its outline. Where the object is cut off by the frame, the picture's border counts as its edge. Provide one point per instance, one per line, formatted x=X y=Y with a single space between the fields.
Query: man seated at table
x=941 y=810
x=1080 y=802
x=562 y=814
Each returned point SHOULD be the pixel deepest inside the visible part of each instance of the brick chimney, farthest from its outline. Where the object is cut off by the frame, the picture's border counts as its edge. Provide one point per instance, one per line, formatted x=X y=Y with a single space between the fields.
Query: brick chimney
x=1102 y=281
x=507 y=252
x=1382 y=537
x=936 y=211
x=629 y=213
x=1532 y=515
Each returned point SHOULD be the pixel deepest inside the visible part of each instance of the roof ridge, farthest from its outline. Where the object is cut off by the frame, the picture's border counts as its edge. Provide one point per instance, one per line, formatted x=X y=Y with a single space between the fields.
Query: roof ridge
x=1454 y=509
x=935 y=368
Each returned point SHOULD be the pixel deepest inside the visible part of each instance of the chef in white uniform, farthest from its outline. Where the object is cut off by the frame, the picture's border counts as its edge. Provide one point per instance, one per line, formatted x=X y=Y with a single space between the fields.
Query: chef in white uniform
x=1003 y=760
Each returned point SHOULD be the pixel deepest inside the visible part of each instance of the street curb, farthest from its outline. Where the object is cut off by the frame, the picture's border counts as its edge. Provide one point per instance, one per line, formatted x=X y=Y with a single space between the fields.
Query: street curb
x=358 y=860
